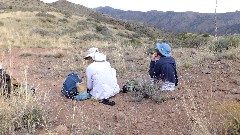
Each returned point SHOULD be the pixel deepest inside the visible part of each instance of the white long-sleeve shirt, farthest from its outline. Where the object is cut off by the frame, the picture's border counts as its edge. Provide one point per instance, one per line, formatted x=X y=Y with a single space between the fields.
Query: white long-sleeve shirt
x=102 y=80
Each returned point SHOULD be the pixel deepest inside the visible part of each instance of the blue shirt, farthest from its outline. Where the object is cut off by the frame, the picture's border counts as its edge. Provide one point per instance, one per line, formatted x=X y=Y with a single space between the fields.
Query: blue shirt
x=164 y=69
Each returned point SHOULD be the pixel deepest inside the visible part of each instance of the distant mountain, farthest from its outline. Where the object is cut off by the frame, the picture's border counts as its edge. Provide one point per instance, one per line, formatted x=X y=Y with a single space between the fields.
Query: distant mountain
x=228 y=23
x=77 y=9
x=71 y=8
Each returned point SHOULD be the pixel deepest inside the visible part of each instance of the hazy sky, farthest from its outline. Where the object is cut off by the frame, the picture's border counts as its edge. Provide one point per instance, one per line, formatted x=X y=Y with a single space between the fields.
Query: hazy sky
x=202 y=6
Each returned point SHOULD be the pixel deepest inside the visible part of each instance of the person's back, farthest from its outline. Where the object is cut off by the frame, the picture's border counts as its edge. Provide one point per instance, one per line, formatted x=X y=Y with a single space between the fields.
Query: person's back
x=101 y=80
x=167 y=69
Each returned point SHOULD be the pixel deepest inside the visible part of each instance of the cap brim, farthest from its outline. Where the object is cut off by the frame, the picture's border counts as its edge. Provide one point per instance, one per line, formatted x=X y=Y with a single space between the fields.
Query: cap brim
x=89 y=56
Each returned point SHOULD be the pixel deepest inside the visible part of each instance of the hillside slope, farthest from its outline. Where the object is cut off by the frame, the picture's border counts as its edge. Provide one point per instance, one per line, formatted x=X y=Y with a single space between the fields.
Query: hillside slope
x=25 y=5
x=77 y=9
x=181 y=21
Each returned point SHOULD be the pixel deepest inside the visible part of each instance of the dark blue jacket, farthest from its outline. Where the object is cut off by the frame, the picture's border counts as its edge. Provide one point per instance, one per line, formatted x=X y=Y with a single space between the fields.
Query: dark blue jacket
x=164 y=69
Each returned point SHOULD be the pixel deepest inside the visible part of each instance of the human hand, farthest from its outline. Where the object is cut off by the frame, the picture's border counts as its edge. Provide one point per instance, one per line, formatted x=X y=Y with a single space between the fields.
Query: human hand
x=155 y=57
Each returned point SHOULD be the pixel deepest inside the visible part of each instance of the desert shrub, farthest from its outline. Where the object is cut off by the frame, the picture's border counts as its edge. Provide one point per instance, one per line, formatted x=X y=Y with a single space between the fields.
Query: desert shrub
x=43 y=14
x=1 y=23
x=52 y=55
x=191 y=40
x=40 y=32
x=122 y=34
x=64 y=20
x=84 y=23
x=102 y=29
x=90 y=19
x=225 y=44
x=228 y=55
x=33 y=119
x=22 y=112
x=135 y=41
x=205 y=35
x=25 y=54
x=89 y=37
x=145 y=87
x=18 y=20
x=46 y=20
x=67 y=14
x=227 y=119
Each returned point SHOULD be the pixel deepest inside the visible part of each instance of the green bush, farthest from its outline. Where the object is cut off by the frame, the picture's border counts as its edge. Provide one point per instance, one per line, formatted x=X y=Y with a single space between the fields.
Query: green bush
x=225 y=44
x=146 y=87
x=191 y=40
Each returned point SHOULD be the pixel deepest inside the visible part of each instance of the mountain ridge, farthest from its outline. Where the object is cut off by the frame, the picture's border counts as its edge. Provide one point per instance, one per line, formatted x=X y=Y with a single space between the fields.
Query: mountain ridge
x=180 y=21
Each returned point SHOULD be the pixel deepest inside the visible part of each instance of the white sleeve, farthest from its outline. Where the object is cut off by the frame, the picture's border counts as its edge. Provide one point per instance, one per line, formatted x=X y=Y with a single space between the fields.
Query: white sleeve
x=114 y=74
x=89 y=79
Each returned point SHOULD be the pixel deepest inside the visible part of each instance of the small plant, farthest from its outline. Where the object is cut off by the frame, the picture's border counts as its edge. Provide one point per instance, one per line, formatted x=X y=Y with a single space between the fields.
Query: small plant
x=1 y=23
x=135 y=41
x=32 y=119
x=54 y=55
x=25 y=55
x=187 y=65
x=145 y=87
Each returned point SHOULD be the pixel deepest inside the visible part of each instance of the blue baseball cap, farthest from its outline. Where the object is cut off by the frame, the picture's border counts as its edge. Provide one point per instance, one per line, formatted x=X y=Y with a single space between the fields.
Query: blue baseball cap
x=164 y=49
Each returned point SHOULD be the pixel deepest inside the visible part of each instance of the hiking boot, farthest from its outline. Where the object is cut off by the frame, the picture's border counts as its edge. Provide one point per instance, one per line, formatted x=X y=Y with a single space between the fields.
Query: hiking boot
x=107 y=102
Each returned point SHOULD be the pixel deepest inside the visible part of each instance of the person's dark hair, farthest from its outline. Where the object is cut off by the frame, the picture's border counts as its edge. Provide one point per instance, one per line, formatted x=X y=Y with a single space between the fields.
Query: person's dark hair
x=156 y=50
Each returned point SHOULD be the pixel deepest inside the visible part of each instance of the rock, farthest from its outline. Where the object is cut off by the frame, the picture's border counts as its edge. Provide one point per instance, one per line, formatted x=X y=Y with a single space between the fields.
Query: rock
x=235 y=91
x=206 y=71
x=61 y=129
x=238 y=99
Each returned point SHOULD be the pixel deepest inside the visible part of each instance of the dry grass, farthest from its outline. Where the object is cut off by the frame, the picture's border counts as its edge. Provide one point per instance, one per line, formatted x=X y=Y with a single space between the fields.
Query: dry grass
x=23 y=112
x=64 y=45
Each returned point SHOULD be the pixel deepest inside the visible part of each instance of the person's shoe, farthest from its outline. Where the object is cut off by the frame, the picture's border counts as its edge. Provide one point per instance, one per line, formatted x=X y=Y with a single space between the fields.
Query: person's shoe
x=107 y=102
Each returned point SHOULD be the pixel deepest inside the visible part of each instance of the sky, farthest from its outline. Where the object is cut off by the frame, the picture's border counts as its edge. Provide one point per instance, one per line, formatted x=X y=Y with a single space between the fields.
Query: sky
x=201 y=6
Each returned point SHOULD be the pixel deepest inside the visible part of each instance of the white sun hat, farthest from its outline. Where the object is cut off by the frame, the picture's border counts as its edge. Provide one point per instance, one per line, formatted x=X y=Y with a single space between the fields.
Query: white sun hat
x=99 y=57
x=91 y=52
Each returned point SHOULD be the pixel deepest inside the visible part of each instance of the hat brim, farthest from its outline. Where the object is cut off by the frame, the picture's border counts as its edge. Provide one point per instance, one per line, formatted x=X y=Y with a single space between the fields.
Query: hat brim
x=89 y=56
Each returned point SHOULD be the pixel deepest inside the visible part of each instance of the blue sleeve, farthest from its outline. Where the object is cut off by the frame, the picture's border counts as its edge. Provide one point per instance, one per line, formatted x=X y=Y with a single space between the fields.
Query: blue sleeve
x=154 y=70
x=151 y=70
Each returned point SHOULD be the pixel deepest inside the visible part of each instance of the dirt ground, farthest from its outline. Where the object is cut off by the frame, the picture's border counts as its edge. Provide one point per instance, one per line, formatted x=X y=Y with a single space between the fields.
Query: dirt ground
x=201 y=89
